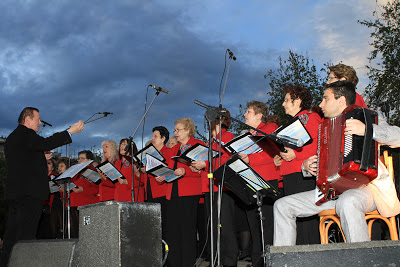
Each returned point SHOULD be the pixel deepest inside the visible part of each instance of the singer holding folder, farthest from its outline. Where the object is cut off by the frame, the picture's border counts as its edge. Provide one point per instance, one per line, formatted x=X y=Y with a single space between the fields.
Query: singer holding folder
x=297 y=104
x=183 y=197
x=123 y=188
x=257 y=116
x=229 y=242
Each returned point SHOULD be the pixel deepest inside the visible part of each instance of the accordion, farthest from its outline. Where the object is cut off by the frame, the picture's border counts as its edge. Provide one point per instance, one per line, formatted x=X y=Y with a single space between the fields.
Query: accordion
x=345 y=161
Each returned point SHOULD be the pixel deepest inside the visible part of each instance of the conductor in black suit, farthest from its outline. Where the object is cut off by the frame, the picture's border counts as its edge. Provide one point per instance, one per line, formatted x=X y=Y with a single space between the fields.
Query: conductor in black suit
x=27 y=182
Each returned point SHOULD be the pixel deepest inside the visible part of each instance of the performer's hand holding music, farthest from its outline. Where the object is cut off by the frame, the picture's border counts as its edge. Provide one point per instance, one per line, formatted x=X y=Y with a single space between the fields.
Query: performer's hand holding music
x=354 y=126
x=122 y=181
x=244 y=157
x=310 y=165
x=180 y=172
x=160 y=179
x=198 y=165
x=76 y=127
x=277 y=160
x=194 y=169
x=289 y=155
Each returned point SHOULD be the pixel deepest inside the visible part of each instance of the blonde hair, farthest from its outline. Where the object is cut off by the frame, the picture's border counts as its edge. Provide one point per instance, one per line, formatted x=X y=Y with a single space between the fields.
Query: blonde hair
x=188 y=124
x=114 y=150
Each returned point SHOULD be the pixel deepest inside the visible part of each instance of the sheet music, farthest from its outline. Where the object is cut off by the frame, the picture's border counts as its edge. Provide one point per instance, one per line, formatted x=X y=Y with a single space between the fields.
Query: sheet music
x=73 y=170
x=295 y=130
x=243 y=144
x=71 y=185
x=151 y=150
x=53 y=187
x=110 y=171
x=92 y=175
x=157 y=168
x=199 y=153
x=153 y=162
x=257 y=183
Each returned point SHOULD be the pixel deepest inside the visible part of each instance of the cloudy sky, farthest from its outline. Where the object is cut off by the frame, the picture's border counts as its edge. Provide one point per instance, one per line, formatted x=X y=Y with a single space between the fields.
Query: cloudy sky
x=72 y=59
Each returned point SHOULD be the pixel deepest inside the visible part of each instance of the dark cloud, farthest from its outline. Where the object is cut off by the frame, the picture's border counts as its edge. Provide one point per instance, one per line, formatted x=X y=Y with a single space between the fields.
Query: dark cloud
x=72 y=59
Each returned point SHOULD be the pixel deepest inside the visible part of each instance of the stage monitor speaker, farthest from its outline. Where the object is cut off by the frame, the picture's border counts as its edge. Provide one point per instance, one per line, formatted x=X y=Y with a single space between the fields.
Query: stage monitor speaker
x=374 y=253
x=119 y=234
x=43 y=253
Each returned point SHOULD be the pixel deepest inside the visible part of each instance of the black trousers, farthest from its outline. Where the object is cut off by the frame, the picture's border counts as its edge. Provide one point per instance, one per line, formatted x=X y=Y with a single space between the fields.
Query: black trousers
x=307 y=228
x=180 y=230
x=229 y=242
x=23 y=219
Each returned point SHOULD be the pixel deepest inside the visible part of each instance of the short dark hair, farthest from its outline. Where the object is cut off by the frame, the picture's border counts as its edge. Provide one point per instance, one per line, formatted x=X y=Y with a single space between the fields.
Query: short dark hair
x=163 y=132
x=88 y=154
x=259 y=107
x=26 y=112
x=343 y=88
x=299 y=92
x=63 y=160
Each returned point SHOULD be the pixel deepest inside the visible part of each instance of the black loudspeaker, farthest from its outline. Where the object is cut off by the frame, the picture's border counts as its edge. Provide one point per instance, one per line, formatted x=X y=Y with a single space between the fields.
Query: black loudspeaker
x=119 y=234
x=374 y=253
x=44 y=253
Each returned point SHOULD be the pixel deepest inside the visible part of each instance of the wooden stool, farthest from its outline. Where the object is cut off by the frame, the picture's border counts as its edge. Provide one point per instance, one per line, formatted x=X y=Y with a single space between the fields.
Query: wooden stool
x=329 y=217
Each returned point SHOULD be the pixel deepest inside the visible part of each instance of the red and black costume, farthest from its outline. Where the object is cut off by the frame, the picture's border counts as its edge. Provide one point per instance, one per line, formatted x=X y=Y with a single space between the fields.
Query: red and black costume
x=123 y=192
x=264 y=165
x=181 y=217
x=293 y=180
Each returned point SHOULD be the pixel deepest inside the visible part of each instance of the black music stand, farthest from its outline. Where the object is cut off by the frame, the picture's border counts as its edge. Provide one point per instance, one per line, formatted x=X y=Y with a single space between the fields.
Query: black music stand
x=250 y=189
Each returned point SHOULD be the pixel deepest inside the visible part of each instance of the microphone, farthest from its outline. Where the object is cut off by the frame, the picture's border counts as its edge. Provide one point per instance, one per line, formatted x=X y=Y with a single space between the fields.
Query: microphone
x=159 y=89
x=46 y=123
x=105 y=113
x=203 y=105
x=231 y=54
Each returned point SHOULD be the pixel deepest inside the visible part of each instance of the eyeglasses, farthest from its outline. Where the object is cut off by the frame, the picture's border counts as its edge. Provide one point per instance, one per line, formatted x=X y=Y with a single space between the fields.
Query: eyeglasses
x=178 y=130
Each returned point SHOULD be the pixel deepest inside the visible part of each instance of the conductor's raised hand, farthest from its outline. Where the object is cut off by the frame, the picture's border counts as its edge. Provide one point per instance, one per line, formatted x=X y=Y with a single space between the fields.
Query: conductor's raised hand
x=76 y=127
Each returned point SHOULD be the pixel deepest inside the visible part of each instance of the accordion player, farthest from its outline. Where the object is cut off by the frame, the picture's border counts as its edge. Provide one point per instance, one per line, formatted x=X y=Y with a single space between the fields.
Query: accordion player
x=345 y=161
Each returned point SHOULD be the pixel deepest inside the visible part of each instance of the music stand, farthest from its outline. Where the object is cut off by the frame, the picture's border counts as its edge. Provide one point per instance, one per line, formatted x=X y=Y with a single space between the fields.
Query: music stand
x=248 y=185
x=65 y=178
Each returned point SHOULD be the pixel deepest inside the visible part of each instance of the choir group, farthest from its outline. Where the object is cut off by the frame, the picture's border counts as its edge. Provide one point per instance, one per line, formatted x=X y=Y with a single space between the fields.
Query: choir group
x=184 y=206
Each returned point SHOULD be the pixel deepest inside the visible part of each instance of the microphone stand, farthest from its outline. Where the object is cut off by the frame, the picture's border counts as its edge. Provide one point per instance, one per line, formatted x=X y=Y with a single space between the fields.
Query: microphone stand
x=226 y=79
x=130 y=144
x=211 y=110
x=44 y=125
x=210 y=117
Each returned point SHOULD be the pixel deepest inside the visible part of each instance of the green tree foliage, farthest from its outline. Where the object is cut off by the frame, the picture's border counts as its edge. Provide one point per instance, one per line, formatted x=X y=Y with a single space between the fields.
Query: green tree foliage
x=297 y=69
x=385 y=77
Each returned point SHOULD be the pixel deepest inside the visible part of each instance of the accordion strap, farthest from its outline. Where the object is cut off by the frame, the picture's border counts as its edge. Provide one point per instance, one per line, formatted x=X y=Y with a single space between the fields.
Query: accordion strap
x=367 y=140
